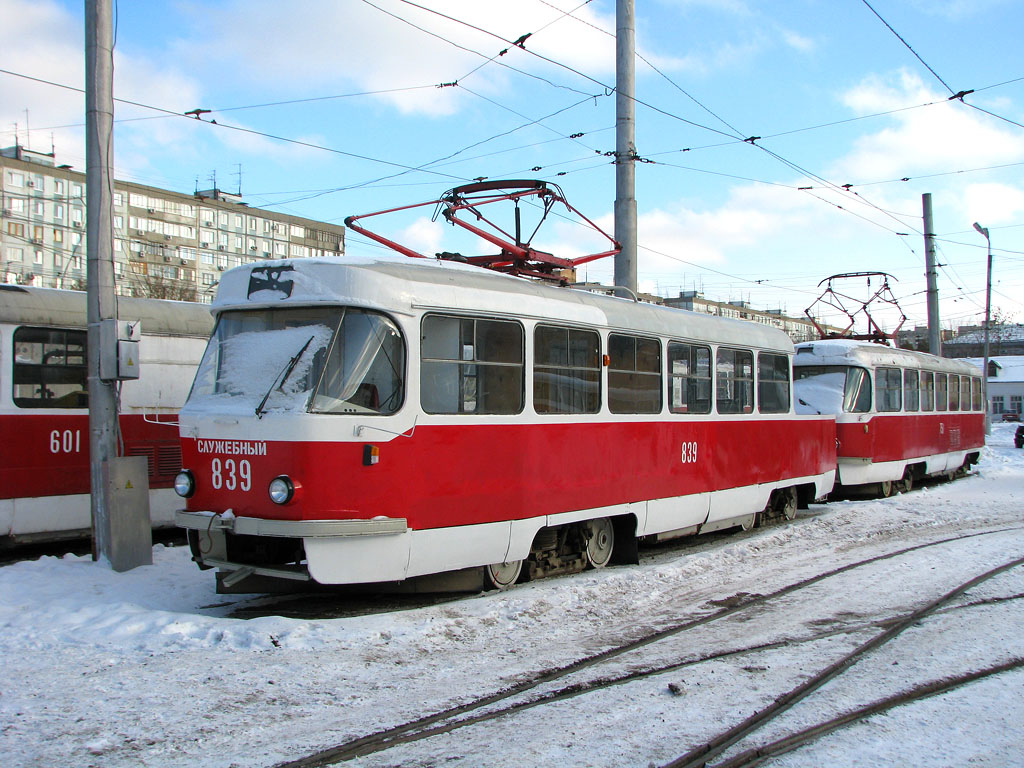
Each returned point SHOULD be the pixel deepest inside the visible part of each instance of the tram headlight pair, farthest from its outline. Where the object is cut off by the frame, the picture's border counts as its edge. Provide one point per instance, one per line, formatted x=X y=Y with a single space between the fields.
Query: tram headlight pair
x=185 y=484
x=281 y=489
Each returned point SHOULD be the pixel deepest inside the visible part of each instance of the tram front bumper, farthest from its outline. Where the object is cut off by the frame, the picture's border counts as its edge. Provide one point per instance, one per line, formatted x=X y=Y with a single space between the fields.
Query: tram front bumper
x=211 y=548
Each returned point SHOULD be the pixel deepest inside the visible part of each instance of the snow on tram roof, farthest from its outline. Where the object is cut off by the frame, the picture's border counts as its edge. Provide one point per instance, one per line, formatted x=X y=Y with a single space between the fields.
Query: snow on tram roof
x=406 y=286
x=869 y=353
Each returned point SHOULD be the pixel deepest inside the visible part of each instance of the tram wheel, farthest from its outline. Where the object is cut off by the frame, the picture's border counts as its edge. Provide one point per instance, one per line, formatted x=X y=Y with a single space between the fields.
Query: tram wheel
x=906 y=484
x=885 y=489
x=787 y=504
x=600 y=536
x=502 y=575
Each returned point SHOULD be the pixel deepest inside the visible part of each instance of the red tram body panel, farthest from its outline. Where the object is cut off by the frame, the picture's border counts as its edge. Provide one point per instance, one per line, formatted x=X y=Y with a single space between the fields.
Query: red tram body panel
x=368 y=420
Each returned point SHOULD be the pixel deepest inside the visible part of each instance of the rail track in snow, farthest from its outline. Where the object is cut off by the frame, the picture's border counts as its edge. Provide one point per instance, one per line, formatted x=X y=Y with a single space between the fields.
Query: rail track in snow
x=495 y=706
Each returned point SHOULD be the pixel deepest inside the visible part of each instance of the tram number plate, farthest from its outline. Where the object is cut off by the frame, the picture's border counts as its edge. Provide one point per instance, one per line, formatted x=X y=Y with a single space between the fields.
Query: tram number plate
x=689 y=454
x=230 y=474
x=66 y=441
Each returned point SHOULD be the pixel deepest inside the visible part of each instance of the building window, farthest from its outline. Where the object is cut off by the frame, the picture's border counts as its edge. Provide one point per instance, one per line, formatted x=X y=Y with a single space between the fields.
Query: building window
x=16 y=204
x=298 y=231
x=1016 y=404
x=13 y=254
x=471 y=365
x=634 y=374
x=15 y=179
x=689 y=370
x=16 y=229
x=998 y=405
x=119 y=198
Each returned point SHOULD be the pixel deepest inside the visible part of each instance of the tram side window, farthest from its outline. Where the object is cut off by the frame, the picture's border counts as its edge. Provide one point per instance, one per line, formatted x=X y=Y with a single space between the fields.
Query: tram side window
x=976 y=401
x=965 y=393
x=927 y=391
x=634 y=374
x=471 y=365
x=911 y=390
x=890 y=386
x=940 y=392
x=734 y=372
x=772 y=383
x=566 y=370
x=689 y=368
x=364 y=373
x=954 y=392
x=50 y=368
x=857 y=395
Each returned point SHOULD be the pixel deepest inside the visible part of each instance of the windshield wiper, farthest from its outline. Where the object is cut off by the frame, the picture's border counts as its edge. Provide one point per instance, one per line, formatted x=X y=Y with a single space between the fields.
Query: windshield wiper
x=283 y=377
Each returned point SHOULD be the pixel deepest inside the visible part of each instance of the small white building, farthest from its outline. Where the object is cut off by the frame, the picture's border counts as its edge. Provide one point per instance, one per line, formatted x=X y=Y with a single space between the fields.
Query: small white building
x=1005 y=385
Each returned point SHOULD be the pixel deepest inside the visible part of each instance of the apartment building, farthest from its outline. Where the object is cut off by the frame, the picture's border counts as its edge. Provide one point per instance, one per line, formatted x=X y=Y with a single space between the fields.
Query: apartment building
x=797 y=328
x=166 y=244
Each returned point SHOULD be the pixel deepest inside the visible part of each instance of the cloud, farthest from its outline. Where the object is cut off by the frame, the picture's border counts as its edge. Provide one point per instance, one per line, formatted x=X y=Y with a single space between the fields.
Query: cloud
x=42 y=40
x=993 y=204
x=944 y=137
x=397 y=49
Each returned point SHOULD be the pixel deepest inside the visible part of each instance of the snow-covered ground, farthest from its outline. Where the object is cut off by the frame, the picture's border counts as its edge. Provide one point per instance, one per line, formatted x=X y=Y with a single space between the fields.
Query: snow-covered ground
x=148 y=668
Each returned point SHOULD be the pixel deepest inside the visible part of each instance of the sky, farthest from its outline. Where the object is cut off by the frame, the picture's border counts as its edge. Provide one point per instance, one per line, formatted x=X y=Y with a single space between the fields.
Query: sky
x=332 y=108
x=152 y=668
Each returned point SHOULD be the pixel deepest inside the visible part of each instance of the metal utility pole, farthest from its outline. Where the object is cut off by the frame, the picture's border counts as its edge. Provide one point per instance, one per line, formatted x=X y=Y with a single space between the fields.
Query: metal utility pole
x=934 y=333
x=115 y=483
x=988 y=316
x=625 y=145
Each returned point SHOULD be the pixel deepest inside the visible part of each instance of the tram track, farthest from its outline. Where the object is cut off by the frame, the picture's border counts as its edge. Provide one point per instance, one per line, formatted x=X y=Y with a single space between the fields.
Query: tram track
x=758 y=755
x=699 y=756
x=451 y=718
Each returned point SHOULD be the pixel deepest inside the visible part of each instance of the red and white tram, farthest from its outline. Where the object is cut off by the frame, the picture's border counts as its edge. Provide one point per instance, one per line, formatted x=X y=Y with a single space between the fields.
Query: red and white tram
x=371 y=420
x=44 y=416
x=901 y=416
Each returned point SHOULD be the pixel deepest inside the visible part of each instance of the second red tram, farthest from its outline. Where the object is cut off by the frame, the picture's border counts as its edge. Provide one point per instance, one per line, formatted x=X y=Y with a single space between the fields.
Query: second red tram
x=901 y=416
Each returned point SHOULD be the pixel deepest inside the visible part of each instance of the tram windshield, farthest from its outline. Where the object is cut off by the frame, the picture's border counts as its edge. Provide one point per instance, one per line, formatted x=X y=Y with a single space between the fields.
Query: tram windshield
x=321 y=359
x=832 y=389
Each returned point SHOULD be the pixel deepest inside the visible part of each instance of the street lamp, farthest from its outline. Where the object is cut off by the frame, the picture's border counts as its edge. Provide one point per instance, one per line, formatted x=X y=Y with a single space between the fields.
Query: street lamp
x=988 y=308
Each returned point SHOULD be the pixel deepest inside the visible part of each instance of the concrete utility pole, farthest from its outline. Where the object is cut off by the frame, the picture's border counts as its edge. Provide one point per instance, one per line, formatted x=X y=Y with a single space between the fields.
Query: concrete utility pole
x=625 y=145
x=934 y=333
x=983 y=231
x=120 y=533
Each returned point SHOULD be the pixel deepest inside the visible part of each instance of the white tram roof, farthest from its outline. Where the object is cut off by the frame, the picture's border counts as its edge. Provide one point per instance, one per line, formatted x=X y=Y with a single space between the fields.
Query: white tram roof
x=25 y=305
x=870 y=354
x=408 y=286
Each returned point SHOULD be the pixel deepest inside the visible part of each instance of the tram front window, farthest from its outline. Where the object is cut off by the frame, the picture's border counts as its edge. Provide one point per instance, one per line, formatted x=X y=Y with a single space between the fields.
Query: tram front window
x=832 y=389
x=325 y=359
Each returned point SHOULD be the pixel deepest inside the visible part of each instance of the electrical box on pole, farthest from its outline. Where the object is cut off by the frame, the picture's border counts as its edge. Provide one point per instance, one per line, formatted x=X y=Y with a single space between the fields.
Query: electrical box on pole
x=119 y=349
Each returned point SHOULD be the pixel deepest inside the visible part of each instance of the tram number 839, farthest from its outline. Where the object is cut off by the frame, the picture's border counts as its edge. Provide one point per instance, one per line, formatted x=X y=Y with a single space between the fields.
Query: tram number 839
x=689 y=454
x=230 y=475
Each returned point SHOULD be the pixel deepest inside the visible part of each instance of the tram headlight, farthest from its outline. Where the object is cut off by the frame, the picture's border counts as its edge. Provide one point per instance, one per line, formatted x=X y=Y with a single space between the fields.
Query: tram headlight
x=281 y=489
x=184 y=484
